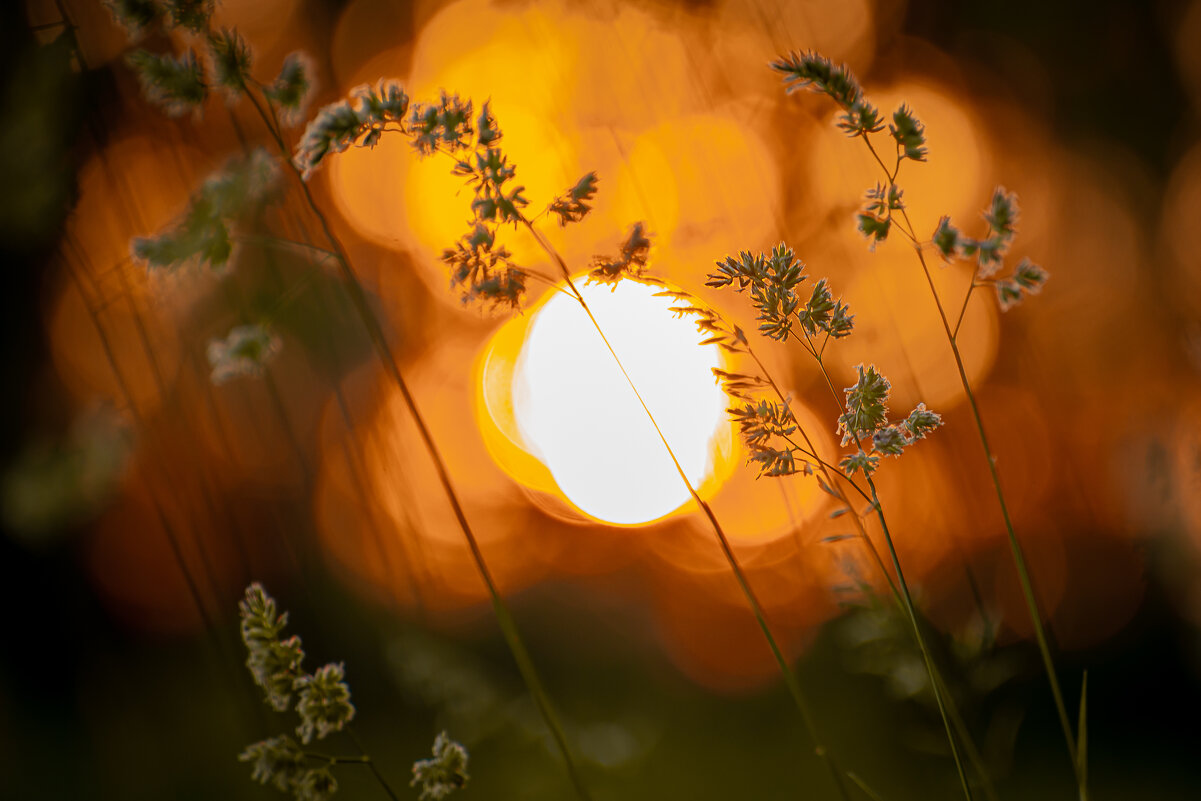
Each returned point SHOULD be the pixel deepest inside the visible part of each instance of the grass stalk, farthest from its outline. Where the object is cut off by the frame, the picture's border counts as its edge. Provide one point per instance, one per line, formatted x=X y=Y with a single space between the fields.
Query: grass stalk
x=352 y=454
x=790 y=678
x=1015 y=547
x=935 y=684
x=379 y=341
x=168 y=528
x=204 y=481
x=901 y=593
x=207 y=492
x=370 y=763
x=951 y=718
x=227 y=662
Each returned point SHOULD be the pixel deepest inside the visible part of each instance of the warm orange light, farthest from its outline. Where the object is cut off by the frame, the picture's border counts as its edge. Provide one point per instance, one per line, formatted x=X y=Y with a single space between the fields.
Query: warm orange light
x=495 y=408
x=1178 y=226
x=750 y=31
x=704 y=183
x=1186 y=460
x=138 y=187
x=757 y=510
x=398 y=200
x=898 y=329
x=951 y=181
x=137 y=554
x=276 y=27
x=570 y=407
x=384 y=513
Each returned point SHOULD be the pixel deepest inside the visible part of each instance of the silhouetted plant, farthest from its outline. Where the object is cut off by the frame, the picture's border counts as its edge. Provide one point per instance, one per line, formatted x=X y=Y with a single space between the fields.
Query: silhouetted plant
x=322 y=704
x=773 y=283
x=444 y=773
x=179 y=84
x=885 y=211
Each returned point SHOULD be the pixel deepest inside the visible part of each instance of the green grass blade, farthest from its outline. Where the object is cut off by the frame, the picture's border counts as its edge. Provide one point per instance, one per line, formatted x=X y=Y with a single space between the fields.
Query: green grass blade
x=1082 y=739
x=862 y=785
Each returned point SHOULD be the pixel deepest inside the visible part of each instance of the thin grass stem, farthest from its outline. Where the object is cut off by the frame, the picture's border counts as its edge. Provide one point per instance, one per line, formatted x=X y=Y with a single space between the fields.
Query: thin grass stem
x=285 y=244
x=827 y=470
x=352 y=454
x=338 y=760
x=165 y=523
x=936 y=685
x=790 y=678
x=862 y=785
x=963 y=309
x=144 y=338
x=1015 y=547
x=358 y=298
x=370 y=763
x=951 y=718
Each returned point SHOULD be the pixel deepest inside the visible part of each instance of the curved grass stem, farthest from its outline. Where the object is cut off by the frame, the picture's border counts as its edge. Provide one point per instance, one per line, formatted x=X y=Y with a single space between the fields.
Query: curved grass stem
x=169 y=531
x=947 y=708
x=790 y=678
x=935 y=682
x=370 y=763
x=1015 y=547
x=379 y=341
x=902 y=594
x=828 y=472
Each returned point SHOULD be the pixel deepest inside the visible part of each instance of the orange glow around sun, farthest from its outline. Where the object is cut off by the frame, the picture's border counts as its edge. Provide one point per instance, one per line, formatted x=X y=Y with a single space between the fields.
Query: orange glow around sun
x=570 y=406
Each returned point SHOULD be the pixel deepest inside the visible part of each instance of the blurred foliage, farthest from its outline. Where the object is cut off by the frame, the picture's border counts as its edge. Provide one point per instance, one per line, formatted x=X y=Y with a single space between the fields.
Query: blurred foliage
x=53 y=486
x=40 y=106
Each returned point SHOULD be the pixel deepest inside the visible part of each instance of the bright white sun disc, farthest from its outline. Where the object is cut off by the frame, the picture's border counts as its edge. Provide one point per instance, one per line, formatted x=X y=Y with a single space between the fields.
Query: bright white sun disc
x=577 y=413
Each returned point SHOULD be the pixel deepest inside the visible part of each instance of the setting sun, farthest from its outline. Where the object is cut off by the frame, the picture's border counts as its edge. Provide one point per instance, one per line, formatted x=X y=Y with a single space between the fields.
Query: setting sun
x=576 y=412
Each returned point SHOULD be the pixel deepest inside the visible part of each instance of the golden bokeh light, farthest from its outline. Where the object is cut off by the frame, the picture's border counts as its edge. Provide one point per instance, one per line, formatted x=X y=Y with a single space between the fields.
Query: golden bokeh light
x=757 y=510
x=1178 y=227
x=372 y=39
x=702 y=181
x=382 y=510
x=437 y=205
x=1025 y=159
x=495 y=409
x=742 y=31
x=137 y=183
x=698 y=610
x=899 y=330
x=151 y=182
x=629 y=71
x=136 y=354
x=396 y=199
x=277 y=27
x=705 y=183
x=368 y=189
